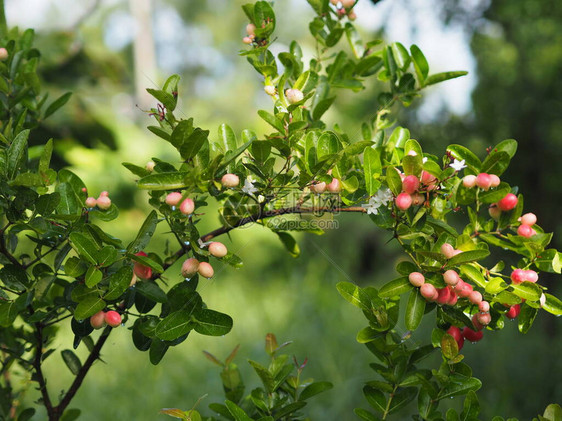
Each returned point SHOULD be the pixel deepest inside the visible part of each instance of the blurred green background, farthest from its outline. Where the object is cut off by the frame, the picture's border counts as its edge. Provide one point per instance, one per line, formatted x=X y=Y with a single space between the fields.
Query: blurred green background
x=107 y=52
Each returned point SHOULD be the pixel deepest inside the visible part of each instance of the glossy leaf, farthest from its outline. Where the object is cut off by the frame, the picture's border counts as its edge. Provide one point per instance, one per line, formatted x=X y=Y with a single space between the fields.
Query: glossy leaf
x=145 y=233
x=396 y=287
x=212 y=323
x=414 y=310
x=72 y=361
x=163 y=181
x=442 y=77
x=88 y=307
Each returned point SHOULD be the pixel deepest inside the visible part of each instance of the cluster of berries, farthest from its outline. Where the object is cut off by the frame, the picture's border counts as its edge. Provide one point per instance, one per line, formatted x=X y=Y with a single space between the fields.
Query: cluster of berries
x=103 y=201
x=459 y=335
x=526 y=228
x=411 y=186
x=192 y=266
x=333 y=187
x=251 y=31
x=103 y=318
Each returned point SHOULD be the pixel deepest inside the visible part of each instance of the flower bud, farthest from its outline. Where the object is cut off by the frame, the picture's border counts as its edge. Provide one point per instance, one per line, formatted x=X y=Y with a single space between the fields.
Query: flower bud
x=247 y=40
x=495 y=180
x=348 y=3
x=270 y=90
x=294 y=95
x=250 y=29
x=352 y=15
x=3 y=54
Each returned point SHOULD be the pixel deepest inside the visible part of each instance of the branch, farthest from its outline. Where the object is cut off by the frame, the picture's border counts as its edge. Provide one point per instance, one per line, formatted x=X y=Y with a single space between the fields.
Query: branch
x=94 y=355
x=254 y=218
x=3 y=248
x=39 y=371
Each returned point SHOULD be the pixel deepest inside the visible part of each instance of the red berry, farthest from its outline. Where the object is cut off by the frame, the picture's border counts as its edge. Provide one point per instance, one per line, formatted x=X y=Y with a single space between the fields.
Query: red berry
x=403 y=201
x=484 y=318
x=513 y=311
x=531 y=276
x=463 y=289
x=142 y=271
x=525 y=231
x=410 y=184
x=444 y=295
x=455 y=332
x=476 y=323
x=528 y=219
x=517 y=276
x=453 y=299
x=247 y=40
x=217 y=249
x=484 y=306
x=205 y=270
x=475 y=297
x=508 y=202
x=189 y=267
x=428 y=291
x=3 y=54
x=471 y=335
x=484 y=181
x=347 y=3
x=98 y=320
x=112 y=318
x=428 y=178
x=416 y=279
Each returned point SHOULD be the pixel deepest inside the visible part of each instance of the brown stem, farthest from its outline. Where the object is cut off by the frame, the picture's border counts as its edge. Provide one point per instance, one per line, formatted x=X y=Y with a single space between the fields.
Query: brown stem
x=5 y=251
x=57 y=411
x=39 y=371
x=253 y=218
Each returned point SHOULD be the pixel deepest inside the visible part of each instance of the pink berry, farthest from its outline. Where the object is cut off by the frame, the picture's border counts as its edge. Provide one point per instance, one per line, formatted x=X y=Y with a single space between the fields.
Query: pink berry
x=318 y=187
x=463 y=289
x=334 y=186
x=484 y=306
x=428 y=178
x=494 y=212
x=189 y=267
x=525 y=231
x=447 y=250
x=428 y=291
x=410 y=184
x=142 y=271
x=250 y=29
x=352 y=15
x=84 y=190
x=484 y=318
x=294 y=95
x=508 y=202
x=172 y=199
x=531 y=276
x=451 y=277
x=403 y=201
x=187 y=206
x=475 y=297
x=217 y=249
x=103 y=202
x=495 y=180
x=104 y=193
x=91 y=202
x=518 y=276
x=247 y=40
x=456 y=251
x=469 y=181
x=347 y=3
x=453 y=299
x=484 y=181
x=476 y=323
x=455 y=332
x=3 y=54
x=205 y=270
x=528 y=219
x=513 y=311
x=230 y=180
x=98 y=320
x=471 y=335
x=112 y=318
x=416 y=279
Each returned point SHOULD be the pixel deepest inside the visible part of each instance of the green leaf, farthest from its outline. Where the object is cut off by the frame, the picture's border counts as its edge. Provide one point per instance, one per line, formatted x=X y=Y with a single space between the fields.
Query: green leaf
x=354 y=294
x=157 y=351
x=45 y=158
x=46 y=204
x=192 y=143
x=449 y=346
x=375 y=398
x=237 y=412
x=459 y=385
x=496 y=163
x=442 y=77
x=395 y=287
x=553 y=412
x=119 y=282
x=17 y=155
x=393 y=180
x=164 y=181
x=414 y=310
x=167 y=99
x=471 y=407
x=509 y=146
x=468 y=256
x=272 y=120
x=420 y=64
x=145 y=233
x=228 y=138
x=8 y=312
x=290 y=243
x=71 y=361
x=461 y=153
x=364 y=414
x=135 y=169
x=84 y=246
x=354 y=41
x=314 y=389
x=401 y=398
x=175 y=325
x=366 y=335
x=401 y=55
x=527 y=290
x=56 y=104
x=212 y=323
x=474 y=274
x=151 y=290
x=553 y=305
x=88 y=307
x=93 y=277
x=371 y=167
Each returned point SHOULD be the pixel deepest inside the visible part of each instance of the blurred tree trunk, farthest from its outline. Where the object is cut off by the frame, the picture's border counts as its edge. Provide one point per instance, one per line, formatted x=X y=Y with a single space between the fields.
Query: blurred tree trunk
x=143 y=52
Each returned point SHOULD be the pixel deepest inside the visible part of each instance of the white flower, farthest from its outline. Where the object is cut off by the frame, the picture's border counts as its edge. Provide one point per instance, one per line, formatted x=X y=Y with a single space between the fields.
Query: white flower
x=424 y=159
x=457 y=165
x=381 y=198
x=249 y=186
